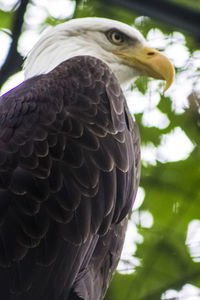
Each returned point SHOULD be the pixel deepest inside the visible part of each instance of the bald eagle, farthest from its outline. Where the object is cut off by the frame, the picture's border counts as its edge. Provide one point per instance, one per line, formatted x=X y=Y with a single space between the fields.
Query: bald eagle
x=70 y=160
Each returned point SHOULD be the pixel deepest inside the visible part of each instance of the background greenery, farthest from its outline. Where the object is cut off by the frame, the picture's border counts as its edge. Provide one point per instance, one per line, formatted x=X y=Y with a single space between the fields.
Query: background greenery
x=168 y=258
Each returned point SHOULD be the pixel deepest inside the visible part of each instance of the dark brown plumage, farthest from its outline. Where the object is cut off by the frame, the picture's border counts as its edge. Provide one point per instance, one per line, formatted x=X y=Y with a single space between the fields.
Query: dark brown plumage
x=69 y=172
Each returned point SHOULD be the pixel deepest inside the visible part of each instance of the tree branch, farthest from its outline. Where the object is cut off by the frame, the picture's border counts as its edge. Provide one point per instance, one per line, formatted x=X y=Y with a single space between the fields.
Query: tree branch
x=180 y=16
x=14 y=60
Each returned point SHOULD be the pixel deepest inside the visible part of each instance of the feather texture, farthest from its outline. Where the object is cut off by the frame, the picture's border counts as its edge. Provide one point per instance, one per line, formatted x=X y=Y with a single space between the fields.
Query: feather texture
x=69 y=171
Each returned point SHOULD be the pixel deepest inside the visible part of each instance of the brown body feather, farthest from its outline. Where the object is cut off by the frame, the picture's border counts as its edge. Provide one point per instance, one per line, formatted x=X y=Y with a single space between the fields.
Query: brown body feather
x=69 y=172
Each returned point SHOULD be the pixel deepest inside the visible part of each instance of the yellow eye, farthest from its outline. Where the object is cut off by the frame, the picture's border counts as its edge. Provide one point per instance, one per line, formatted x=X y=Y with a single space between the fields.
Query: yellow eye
x=116 y=37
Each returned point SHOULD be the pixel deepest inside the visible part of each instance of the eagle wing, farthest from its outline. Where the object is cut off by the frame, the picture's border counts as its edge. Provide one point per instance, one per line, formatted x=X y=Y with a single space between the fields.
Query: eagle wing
x=69 y=171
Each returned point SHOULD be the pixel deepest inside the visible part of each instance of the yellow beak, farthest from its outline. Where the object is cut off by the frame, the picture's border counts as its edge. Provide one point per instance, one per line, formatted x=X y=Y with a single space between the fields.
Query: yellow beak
x=149 y=62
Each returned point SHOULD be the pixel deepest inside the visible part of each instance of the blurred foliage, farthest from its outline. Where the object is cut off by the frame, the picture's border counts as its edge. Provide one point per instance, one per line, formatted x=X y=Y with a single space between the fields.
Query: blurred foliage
x=5 y=19
x=192 y=4
x=172 y=194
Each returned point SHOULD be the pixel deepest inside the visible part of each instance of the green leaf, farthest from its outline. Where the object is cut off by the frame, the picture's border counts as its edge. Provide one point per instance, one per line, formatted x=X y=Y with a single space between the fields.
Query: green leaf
x=141 y=84
x=6 y=19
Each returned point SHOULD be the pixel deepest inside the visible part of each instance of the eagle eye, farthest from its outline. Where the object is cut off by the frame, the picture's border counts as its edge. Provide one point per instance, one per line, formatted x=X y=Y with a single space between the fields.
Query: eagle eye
x=116 y=37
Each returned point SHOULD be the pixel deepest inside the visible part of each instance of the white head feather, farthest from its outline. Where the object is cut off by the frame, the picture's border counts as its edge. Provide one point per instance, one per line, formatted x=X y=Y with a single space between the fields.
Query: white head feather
x=80 y=37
